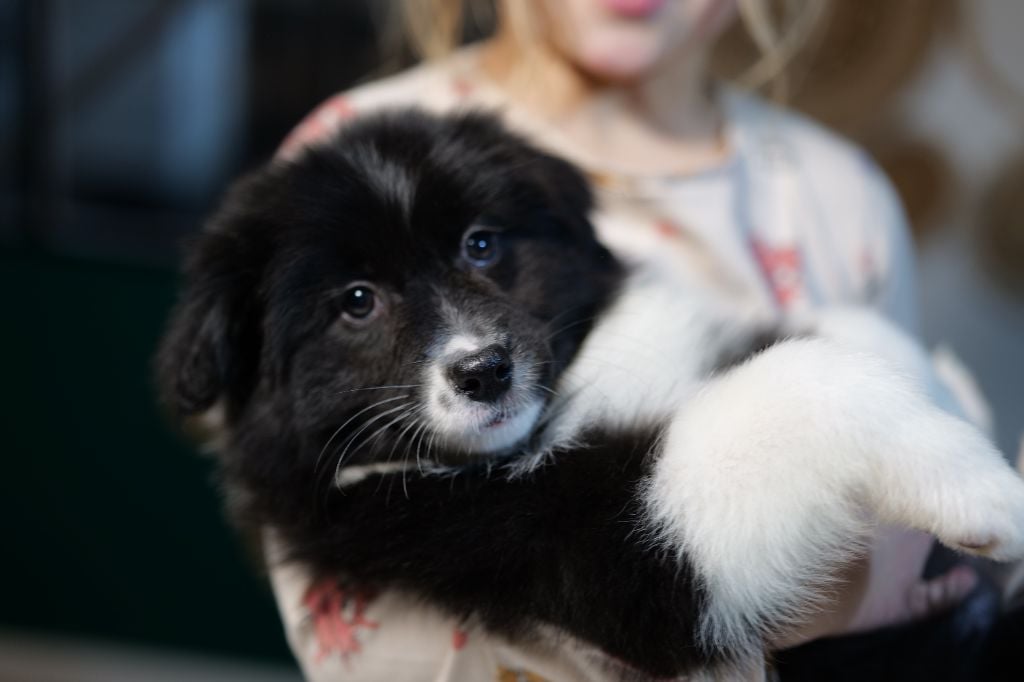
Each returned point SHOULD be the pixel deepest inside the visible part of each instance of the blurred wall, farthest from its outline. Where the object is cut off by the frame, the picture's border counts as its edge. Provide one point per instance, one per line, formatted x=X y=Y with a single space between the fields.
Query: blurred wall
x=121 y=122
x=169 y=121
x=962 y=304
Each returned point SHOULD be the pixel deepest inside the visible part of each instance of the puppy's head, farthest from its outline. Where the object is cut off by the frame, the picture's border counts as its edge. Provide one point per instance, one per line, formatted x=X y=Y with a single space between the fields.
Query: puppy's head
x=417 y=283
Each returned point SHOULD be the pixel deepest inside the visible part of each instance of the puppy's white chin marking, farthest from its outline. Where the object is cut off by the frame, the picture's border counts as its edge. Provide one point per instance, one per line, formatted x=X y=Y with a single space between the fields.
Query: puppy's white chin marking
x=491 y=437
x=478 y=428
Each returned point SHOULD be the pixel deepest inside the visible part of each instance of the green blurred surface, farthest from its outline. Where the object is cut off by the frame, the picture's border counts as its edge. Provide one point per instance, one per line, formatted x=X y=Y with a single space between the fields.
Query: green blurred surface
x=111 y=523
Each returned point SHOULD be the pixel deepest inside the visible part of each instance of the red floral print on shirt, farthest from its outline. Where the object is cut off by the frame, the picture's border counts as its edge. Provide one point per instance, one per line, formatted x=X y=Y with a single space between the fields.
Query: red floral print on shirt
x=462 y=86
x=338 y=615
x=324 y=120
x=781 y=266
x=667 y=229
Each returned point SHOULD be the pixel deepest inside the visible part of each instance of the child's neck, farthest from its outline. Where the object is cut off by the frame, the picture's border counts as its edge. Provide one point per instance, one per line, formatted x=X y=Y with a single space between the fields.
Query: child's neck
x=667 y=122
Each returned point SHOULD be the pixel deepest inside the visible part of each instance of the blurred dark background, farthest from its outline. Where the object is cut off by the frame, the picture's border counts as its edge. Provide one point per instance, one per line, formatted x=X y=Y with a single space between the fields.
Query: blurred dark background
x=121 y=121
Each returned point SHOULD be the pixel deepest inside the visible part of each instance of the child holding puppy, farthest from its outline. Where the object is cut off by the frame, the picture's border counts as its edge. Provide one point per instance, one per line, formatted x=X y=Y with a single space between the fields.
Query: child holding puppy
x=765 y=207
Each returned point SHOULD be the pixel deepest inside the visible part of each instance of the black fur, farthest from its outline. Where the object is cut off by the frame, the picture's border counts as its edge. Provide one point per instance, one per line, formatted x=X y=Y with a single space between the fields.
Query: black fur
x=566 y=545
x=258 y=330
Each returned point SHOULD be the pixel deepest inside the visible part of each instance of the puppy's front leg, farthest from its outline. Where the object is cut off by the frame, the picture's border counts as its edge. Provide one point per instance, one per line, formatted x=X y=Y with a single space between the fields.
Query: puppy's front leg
x=772 y=474
x=566 y=545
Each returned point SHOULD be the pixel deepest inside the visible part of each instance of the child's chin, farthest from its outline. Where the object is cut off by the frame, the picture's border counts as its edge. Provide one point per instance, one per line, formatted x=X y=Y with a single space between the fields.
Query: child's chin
x=619 y=60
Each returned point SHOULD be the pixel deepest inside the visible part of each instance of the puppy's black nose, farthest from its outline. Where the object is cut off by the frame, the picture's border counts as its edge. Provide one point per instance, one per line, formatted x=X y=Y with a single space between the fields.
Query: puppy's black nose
x=483 y=375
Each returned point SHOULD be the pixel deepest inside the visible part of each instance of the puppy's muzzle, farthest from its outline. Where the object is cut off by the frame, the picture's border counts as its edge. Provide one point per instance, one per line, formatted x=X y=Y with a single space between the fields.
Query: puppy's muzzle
x=483 y=375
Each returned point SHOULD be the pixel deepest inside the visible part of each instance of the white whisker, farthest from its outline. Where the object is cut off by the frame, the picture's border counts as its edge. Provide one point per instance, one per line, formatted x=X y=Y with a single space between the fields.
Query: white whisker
x=412 y=424
x=381 y=430
x=348 y=421
x=366 y=425
x=378 y=388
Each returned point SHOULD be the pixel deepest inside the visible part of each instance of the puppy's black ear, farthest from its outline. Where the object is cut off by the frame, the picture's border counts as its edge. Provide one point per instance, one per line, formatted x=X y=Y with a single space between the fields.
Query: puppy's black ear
x=211 y=347
x=194 y=363
x=567 y=189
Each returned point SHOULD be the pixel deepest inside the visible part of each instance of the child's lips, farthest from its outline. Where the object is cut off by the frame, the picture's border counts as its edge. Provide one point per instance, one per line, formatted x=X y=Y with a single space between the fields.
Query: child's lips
x=634 y=9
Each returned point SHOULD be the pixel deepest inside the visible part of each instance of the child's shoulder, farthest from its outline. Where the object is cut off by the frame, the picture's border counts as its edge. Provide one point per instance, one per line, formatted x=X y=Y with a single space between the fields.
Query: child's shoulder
x=773 y=133
x=435 y=86
x=852 y=214
x=839 y=178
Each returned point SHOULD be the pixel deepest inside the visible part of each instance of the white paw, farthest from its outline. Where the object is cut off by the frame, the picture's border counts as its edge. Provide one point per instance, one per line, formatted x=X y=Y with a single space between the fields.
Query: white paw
x=985 y=516
x=968 y=496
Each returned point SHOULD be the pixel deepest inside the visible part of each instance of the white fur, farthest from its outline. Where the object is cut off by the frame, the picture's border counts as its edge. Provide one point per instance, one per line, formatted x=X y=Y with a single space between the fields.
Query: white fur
x=493 y=439
x=354 y=474
x=767 y=475
x=462 y=343
x=645 y=355
x=862 y=329
x=465 y=424
x=773 y=473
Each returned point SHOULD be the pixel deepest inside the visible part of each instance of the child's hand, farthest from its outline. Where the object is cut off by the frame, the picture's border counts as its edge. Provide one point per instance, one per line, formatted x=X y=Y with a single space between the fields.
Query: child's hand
x=885 y=588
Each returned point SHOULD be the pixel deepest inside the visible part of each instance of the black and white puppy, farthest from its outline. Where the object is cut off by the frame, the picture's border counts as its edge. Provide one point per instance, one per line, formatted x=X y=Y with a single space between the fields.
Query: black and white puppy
x=433 y=378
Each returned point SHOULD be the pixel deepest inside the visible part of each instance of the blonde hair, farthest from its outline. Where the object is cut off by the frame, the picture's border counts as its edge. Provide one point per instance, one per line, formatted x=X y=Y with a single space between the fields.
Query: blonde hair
x=779 y=35
x=779 y=29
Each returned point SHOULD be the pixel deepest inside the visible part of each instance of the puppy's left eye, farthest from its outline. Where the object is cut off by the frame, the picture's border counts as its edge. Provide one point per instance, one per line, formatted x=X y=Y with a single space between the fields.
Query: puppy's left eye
x=481 y=247
x=359 y=302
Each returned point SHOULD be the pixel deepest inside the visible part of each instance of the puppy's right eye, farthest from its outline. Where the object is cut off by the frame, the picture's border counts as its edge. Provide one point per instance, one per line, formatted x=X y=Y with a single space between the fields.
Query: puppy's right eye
x=359 y=303
x=481 y=246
